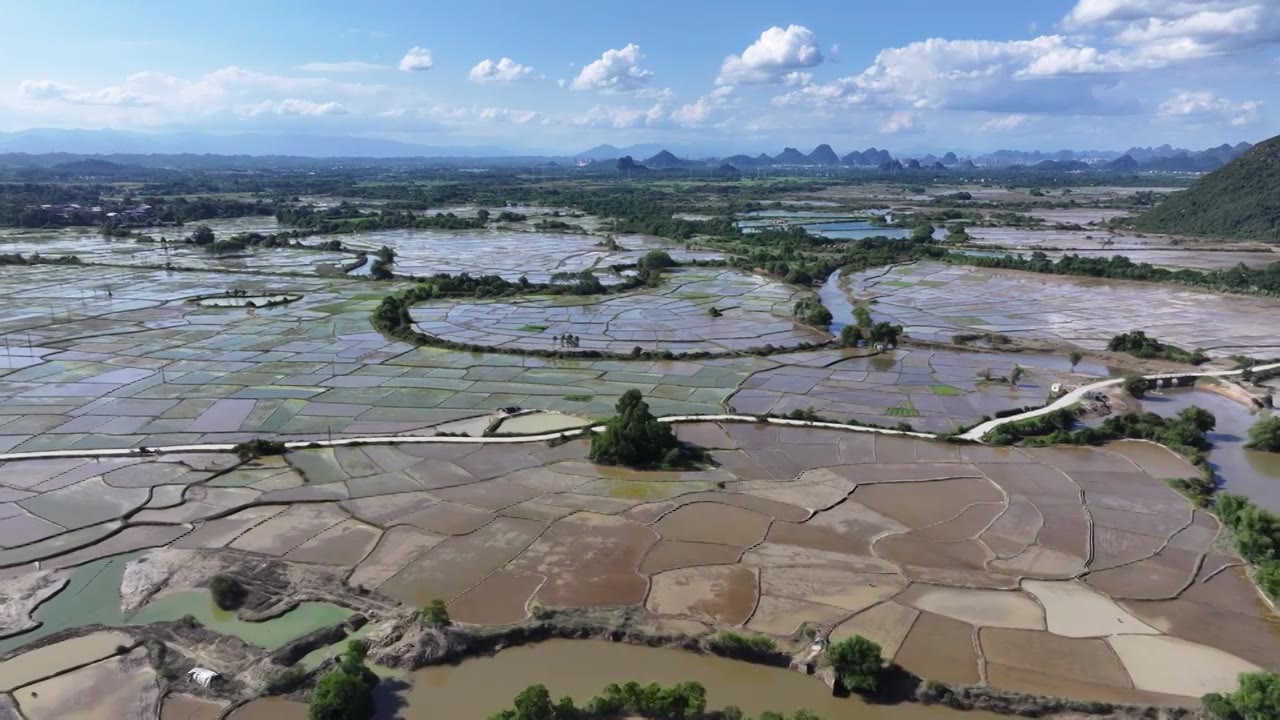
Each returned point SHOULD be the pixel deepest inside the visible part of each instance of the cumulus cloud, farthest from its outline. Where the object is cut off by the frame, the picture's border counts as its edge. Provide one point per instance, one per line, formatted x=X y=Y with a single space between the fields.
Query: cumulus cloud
x=1205 y=105
x=417 y=59
x=900 y=122
x=505 y=70
x=616 y=70
x=48 y=90
x=349 y=66
x=771 y=58
x=700 y=112
x=1037 y=75
x=1154 y=33
x=294 y=106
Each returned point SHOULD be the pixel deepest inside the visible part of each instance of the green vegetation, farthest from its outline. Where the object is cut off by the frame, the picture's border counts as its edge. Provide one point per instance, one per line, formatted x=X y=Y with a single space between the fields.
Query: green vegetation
x=434 y=614
x=1256 y=697
x=812 y=312
x=256 y=448
x=1237 y=200
x=729 y=642
x=1239 y=279
x=1257 y=533
x=1185 y=433
x=1135 y=385
x=346 y=693
x=282 y=682
x=634 y=438
x=864 y=329
x=1137 y=344
x=682 y=701
x=1265 y=434
x=227 y=592
x=1075 y=356
x=858 y=663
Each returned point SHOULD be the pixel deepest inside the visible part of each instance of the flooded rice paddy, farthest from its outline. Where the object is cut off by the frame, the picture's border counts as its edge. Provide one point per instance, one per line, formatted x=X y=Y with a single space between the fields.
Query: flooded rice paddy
x=934 y=301
x=936 y=551
x=676 y=317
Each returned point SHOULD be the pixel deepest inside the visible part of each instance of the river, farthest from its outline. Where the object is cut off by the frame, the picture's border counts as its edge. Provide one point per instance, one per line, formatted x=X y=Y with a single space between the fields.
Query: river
x=1251 y=473
x=477 y=688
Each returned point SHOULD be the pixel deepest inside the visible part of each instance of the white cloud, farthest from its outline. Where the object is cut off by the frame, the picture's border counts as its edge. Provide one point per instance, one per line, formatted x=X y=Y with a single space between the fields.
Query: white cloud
x=1155 y=33
x=350 y=66
x=616 y=70
x=294 y=106
x=1205 y=105
x=770 y=58
x=519 y=117
x=47 y=90
x=700 y=112
x=417 y=59
x=1006 y=122
x=43 y=90
x=900 y=122
x=505 y=70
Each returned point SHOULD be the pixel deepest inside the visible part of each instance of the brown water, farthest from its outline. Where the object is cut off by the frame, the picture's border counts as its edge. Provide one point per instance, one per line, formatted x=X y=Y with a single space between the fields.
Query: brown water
x=478 y=688
x=1253 y=474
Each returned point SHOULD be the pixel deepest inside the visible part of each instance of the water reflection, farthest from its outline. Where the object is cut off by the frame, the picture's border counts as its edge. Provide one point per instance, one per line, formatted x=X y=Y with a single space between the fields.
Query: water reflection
x=1251 y=473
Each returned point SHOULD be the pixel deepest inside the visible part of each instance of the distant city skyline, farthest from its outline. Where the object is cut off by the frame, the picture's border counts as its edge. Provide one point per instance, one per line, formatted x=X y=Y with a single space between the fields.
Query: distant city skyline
x=540 y=78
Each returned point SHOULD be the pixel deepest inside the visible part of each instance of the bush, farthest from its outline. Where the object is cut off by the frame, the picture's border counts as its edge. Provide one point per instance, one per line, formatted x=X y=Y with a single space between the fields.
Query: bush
x=858 y=663
x=284 y=681
x=435 y=614
x=729 y=642
x=1257 y=697
x=227 y=592
x=347 y=692
x=1265 y=434
x=1137 y=344
x=257 y=448
x=634 y=438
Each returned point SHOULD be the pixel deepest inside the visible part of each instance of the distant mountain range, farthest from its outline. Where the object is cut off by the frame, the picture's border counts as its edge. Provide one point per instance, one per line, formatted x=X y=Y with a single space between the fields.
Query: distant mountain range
x=1163 y=158
x=200 y=150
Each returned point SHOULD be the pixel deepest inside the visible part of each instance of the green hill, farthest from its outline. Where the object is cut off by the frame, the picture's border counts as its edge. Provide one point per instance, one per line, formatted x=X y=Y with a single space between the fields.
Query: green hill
x=1241 y=199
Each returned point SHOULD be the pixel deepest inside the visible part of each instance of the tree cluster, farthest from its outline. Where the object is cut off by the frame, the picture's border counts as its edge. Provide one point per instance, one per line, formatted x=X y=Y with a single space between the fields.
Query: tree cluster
x=682 y=701
x=1137 y=344
x=346 y=693
x=633 y=437
x=1256 y=697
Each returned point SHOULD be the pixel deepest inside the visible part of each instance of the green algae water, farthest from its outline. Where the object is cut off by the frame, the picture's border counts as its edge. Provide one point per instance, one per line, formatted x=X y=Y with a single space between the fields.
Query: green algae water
x=269 y=634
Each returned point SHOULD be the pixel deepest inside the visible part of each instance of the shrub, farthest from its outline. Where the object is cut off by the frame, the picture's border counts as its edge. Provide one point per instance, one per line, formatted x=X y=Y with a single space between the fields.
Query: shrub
x=284 y=681
x=1256 y=697
x=730 y=642
x=634 y=438
x=257 y=448
x=344 y=694
x=435 y=614
x=858 y=663
x=227 y=592
x=1265 y=434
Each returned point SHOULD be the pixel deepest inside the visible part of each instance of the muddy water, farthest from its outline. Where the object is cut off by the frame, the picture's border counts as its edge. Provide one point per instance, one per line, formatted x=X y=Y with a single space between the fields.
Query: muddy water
x=1253 y=474
x=273 y=708
x=478 y=688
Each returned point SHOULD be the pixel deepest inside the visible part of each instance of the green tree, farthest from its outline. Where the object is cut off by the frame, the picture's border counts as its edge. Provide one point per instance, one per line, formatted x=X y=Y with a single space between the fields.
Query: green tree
x=346 y=693
x=1135 y=386
x=1256 y=697
x=227 y=592
x=435 y=614
x=202 y=236
x=534 y=703
x=862 y=316
x=1265 y=434
x=634 y=437
x=850 y=335
x=858 y=663
x=1199 y=418
x=1075 y=356
x=922 y=232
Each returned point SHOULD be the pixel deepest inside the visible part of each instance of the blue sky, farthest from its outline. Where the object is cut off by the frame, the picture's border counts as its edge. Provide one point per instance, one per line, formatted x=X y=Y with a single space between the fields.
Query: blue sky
x=748 y=75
